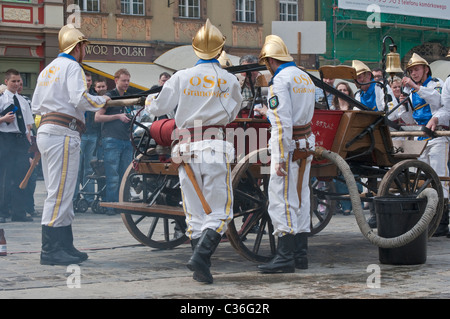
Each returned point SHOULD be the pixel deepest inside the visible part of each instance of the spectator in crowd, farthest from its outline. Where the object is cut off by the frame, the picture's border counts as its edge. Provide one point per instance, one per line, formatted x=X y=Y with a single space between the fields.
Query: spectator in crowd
x=116 y=145
x=377 y=74
x=396 y=86
x=15 y=138
x=340 y=104
x=100 y=86
x=247 y=88
x=320 y=94
x=87 y=148
x=163 y=77
x=341 y=187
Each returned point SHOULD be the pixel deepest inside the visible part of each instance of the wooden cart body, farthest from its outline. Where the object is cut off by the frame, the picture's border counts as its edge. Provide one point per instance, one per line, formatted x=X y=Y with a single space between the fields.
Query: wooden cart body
x=361 y=137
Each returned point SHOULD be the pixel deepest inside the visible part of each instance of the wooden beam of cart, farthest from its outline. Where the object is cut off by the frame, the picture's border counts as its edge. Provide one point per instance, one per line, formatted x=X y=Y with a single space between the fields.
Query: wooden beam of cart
x=136 y=208
x=418 y=133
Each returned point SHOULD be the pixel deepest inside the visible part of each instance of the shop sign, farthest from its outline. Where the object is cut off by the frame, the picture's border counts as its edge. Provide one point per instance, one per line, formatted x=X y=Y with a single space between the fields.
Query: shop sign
x=123 y=53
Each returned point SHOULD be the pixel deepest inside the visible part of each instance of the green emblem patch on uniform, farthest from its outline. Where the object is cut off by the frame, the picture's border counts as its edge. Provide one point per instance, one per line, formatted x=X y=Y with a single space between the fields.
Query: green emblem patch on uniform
x=273 y=102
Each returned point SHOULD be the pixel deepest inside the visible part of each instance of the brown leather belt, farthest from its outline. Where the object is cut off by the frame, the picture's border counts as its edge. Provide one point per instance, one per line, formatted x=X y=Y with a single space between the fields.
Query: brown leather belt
x=195 y=134
x=65 y=120
x=301 y=132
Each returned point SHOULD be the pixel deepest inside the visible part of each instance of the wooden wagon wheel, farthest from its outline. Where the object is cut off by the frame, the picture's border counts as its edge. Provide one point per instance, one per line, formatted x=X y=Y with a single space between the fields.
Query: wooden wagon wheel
x=410 y=177
x=153 y=230
x=322 y=206
x=250 y=231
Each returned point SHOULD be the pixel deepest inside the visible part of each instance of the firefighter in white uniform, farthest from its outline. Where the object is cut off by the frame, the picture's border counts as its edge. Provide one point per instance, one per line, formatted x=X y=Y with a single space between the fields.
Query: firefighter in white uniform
x=291 y=108
x=61 y=98
x=425 y=94
x=205 y=95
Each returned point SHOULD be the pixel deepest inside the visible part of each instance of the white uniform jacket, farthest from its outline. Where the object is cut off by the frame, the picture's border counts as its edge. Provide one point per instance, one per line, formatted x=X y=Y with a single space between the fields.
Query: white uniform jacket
x=61 y=87
x=290 y=99
x=443 y=114
x=204 y=95
x=431 y=94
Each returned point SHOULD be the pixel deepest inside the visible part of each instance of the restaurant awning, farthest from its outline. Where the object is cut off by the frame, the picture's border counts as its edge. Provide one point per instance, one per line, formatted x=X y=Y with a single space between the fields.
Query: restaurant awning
x=143 y=75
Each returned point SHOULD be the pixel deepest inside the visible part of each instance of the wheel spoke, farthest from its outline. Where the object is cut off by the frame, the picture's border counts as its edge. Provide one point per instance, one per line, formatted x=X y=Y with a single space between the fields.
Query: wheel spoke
x=259 y=235
x=255 y=186
x=152 y=228
x=249 y=223
x=166 y=229
x=240 y=193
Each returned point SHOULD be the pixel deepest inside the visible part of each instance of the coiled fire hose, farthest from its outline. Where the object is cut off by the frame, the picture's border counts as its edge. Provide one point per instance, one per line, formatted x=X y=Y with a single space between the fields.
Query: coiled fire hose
x=413 y=233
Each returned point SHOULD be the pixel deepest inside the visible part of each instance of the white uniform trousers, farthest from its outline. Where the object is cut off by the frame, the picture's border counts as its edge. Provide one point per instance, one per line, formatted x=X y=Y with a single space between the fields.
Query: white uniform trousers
x=436 y=155
x=214 y=179
x=60 y=157
x=288 y=217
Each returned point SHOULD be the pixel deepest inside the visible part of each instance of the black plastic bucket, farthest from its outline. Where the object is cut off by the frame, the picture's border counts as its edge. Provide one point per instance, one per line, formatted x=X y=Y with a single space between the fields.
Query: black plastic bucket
x=396 y=216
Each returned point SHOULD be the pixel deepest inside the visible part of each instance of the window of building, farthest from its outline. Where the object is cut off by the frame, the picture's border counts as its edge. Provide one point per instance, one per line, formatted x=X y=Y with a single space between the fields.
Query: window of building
x=26 y=79
x=88 y=5
x=288 y=10
x=246 y=10
x=189 y=9
x=134 y=7
x=20 y=1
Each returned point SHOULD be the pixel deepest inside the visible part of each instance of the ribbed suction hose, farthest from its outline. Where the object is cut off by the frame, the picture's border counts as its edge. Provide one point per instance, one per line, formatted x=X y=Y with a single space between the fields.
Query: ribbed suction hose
x=416 y=231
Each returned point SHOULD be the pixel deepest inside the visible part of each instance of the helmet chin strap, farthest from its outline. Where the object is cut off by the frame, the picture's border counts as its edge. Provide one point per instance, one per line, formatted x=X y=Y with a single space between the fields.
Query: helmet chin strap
x=266 y=62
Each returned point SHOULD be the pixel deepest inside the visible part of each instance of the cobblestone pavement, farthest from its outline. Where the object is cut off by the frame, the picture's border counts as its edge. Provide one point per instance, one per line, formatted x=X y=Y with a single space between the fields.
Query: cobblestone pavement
x=343 y=264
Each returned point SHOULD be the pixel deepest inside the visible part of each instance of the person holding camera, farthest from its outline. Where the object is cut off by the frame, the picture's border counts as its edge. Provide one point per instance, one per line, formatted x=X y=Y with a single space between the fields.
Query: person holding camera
x=117 y=149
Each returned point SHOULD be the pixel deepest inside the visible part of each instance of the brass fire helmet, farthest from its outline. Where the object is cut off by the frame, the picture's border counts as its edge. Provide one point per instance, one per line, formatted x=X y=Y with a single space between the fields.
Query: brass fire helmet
x=275 y=48
x=69 y=37
x=208 y=42
x=360 y=67
x=416 y=60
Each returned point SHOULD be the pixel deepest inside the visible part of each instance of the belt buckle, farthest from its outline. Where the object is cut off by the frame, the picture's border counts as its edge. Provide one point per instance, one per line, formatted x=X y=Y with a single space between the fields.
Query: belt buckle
x=73 y=125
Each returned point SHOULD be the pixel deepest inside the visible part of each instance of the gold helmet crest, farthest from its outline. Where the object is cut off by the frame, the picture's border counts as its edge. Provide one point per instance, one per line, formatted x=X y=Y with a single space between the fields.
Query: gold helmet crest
x=208 y=42
x=275 y=48
x=69 y=37
x=224 y=60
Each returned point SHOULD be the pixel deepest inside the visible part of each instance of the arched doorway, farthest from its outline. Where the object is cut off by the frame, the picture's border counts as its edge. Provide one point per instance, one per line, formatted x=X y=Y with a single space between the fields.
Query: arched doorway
x=430 y=51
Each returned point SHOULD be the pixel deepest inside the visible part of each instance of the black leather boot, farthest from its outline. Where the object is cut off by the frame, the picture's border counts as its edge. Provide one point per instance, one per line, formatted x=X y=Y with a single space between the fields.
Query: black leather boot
x=442 y=229
x=194 y=243
x=200 y=261
x=67 y=240
x=52 y=252
x=283 y=262
x=301 y=251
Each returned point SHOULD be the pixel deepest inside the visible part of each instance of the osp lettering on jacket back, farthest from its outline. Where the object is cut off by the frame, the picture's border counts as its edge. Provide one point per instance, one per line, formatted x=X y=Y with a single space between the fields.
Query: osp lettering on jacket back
x=206 y=87
x=303 y=84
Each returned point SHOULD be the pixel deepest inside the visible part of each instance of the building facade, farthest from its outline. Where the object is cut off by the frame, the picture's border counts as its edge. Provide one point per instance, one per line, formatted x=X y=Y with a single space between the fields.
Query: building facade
x=134 y=33
x=29 y=37
x=355 y=34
